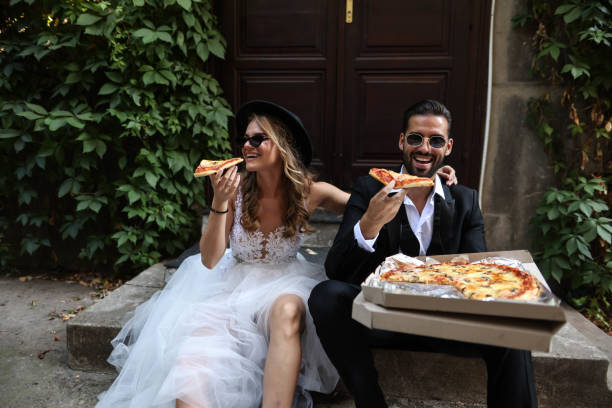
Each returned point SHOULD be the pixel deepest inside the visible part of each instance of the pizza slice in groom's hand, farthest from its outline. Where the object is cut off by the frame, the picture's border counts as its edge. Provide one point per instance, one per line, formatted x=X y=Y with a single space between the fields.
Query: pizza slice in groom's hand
x=401 y=180
x=208 y=167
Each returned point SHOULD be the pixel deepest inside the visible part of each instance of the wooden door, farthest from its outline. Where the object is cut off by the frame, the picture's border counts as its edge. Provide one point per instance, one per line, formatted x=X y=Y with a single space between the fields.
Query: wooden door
x=351 y=82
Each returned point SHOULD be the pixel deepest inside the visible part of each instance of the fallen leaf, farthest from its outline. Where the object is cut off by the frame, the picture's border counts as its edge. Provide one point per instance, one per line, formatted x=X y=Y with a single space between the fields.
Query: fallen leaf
x=310 y=251
x=25 y=278
x=83 y=283
x=56 y=338
x=42 y=355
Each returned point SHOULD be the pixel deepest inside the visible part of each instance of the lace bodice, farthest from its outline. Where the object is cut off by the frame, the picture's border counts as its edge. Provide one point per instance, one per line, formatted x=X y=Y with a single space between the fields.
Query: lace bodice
x=257 y=247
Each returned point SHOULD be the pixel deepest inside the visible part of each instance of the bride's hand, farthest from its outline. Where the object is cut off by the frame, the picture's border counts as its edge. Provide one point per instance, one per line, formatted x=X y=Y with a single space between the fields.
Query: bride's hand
x=225 y=184
x=448 y=173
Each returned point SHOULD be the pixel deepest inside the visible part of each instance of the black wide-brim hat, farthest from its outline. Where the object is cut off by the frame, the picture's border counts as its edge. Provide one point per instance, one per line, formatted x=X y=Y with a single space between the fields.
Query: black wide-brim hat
x=303 y=145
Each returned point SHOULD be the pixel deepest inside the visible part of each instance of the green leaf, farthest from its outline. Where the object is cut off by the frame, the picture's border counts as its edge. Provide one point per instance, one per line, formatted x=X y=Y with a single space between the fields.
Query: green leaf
x=133 y=196
x=164 y=37
x=586 y=209
x=87 y=19
x=557 y=274
x=214 y=45
x=75 y=123
x=95 y=206
x=114 y=76
x=55 y=124
x=108 y=88
x=37 y=108
x=603 y=234
x=9 y=133
x=100 y=148
x=29 y=115
x=564 y=8
x=189 y=19
x=571 y=245
x=186 y=4
x=202 y=51
x=151 y=179
x=65 y=188
x=89 y=145
x=139 y=3
x=148 y=78
x=572 y=15
x=73 y=78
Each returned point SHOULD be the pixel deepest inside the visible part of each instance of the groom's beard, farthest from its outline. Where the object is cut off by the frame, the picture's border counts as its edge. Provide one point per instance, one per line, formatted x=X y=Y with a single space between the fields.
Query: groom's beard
x=435 y=165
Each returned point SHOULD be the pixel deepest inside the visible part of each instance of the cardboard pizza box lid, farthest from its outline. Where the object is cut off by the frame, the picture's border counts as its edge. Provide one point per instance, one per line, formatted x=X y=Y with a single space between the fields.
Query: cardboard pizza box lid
x=499 y=307
x=526 y=334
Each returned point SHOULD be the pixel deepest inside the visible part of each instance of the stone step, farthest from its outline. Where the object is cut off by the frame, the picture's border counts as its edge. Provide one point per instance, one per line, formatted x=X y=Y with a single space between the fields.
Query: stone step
x=574 y=374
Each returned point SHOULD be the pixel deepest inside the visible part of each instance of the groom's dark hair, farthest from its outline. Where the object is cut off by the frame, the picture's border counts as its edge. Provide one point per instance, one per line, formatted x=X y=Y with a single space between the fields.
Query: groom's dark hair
x=427 y=107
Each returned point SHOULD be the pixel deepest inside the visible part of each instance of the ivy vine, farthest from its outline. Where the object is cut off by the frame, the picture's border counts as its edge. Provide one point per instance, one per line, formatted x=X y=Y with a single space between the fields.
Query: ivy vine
x=572 y=228
x=106 y=107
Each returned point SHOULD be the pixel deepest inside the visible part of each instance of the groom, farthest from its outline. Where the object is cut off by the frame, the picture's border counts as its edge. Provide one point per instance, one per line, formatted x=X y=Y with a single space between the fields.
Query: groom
x=415 y=221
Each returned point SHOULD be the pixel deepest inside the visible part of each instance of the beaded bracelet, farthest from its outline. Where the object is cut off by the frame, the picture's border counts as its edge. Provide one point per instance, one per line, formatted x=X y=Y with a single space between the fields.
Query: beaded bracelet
x=219 y=212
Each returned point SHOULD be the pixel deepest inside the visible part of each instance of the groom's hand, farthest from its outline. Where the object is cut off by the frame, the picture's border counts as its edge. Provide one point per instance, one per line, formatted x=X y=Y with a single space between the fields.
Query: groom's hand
x=381 y=210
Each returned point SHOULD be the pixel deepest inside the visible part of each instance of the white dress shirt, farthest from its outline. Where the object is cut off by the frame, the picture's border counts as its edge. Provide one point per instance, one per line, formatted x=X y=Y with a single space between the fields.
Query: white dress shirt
x=421 y=224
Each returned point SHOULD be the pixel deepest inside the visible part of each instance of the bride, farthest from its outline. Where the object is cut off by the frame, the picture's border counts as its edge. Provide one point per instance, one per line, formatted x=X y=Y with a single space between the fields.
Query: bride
x=231 y=328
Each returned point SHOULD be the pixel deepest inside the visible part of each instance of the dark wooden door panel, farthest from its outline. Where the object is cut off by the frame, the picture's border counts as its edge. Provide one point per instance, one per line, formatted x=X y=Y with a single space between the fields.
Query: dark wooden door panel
x=407 y=27
x=398 y=52
x=284 y=51
x=281 y=28
x=351 y=82
x=379 y=106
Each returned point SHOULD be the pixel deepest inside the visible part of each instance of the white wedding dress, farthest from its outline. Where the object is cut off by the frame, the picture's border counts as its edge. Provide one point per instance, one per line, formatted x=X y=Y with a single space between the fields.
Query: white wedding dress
x=204 y=337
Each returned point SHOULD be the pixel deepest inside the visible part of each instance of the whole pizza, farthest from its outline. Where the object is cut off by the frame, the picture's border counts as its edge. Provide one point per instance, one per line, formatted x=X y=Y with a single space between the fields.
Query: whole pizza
x=474 y=281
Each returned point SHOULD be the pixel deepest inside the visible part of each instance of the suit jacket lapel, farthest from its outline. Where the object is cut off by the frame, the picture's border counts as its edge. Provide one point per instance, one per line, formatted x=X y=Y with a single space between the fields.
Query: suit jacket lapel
x=443 y=212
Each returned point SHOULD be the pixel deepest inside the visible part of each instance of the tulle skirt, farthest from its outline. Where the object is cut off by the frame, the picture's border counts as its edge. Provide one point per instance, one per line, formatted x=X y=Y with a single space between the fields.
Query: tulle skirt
x=204 y=338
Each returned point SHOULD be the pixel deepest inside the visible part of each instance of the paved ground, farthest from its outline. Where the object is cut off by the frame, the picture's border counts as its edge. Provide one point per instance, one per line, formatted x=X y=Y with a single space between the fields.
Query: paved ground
x=33 y=369
x=33 y=356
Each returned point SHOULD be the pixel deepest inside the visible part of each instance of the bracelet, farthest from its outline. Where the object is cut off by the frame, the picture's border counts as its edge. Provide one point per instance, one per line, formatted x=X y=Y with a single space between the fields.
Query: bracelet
x=217 y=211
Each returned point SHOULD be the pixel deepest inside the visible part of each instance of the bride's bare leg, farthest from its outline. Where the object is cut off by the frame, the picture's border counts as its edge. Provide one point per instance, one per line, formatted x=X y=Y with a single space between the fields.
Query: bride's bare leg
x=285 y=351
x=183 y=404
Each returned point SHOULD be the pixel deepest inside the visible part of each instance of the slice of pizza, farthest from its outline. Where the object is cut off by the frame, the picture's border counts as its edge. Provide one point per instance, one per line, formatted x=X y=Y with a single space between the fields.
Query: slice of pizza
x=208 y=167
x=401 y=180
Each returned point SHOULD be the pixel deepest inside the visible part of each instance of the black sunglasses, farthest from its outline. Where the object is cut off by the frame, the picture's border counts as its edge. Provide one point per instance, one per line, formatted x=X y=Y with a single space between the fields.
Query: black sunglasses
x=254 y=140
x=415 y=139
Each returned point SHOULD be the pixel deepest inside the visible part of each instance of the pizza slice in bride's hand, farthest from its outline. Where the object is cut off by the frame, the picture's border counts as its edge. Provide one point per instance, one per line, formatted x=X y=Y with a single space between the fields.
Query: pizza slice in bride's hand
x=208 y=167
x=401 y=180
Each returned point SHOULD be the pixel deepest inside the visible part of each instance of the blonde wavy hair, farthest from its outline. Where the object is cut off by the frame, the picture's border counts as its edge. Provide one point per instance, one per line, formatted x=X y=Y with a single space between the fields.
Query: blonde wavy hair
x=297 y=181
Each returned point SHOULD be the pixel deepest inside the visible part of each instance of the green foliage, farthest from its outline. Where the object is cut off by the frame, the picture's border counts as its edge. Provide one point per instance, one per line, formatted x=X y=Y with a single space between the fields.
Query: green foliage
x=574 y=235
x=105 y=109
x=572 y=41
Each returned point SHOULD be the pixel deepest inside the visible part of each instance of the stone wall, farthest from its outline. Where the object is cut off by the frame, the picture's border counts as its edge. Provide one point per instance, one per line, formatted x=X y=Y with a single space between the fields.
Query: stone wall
x=517 y=170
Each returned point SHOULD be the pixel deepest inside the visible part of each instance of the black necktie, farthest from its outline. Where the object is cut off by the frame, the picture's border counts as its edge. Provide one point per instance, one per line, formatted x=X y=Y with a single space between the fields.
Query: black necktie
x=409 y=244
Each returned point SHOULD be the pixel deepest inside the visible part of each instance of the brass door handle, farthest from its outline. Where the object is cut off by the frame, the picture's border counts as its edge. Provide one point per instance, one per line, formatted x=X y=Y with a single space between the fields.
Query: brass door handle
x=349 y=11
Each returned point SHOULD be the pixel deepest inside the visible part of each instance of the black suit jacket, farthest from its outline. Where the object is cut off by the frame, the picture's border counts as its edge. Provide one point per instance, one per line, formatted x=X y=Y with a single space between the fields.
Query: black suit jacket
x=458 y=228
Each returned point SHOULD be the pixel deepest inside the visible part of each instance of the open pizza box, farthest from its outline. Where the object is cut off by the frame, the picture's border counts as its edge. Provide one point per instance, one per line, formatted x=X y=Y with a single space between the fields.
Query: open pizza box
x=517 y=324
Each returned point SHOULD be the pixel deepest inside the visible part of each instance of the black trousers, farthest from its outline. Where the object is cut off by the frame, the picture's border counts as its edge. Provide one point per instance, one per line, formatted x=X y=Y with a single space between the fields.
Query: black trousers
x=347 y=343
